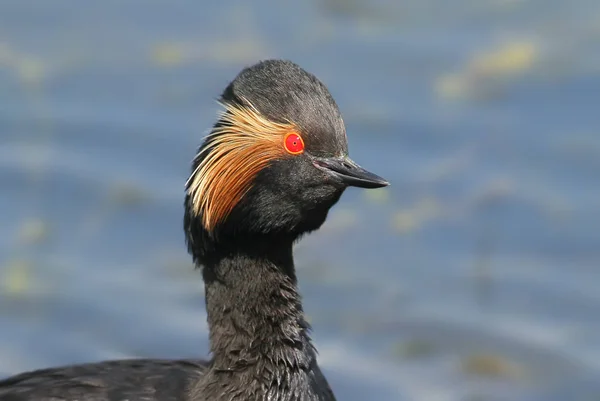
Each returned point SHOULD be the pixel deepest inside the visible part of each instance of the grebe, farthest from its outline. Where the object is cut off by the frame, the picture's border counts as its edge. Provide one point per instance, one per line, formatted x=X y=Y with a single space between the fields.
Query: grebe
x=273 y=165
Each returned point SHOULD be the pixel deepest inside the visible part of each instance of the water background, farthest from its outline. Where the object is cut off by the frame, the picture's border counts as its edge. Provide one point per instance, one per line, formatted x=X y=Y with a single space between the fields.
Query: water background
x=473 y=277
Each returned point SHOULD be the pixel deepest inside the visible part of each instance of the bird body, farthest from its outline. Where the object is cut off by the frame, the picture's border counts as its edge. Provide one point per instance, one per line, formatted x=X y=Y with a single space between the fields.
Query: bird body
x=134 y=380
x=273 y=165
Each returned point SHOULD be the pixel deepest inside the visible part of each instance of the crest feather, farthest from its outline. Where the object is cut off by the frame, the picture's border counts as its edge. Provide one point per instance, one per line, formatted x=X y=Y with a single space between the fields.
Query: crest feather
x=233 y=154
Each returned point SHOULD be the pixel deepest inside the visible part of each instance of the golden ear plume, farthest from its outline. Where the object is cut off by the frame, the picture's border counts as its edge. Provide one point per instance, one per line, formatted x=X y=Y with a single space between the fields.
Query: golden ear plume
x=243 y=144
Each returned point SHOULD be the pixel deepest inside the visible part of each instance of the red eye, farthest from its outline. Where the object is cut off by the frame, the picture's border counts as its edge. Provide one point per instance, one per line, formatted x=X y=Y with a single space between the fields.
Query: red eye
x=293 y=143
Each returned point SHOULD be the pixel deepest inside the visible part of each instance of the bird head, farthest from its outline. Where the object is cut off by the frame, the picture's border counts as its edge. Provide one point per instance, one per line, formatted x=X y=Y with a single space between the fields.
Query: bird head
x=274 y=163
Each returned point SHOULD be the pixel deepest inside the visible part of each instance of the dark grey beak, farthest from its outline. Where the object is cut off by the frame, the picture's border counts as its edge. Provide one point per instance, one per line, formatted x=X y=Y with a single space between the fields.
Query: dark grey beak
x=350 y=173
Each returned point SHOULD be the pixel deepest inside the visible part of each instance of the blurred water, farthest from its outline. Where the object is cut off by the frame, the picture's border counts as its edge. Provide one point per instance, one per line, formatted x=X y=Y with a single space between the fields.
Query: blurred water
x=474 y=277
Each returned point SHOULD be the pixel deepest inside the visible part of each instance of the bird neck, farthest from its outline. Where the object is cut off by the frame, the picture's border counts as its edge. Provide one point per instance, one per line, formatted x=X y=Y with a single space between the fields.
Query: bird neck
x=257 y=327
x=254 y=308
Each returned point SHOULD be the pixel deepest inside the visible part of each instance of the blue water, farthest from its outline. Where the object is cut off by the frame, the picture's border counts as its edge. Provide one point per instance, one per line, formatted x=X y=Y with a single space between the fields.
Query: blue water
x=473 y=277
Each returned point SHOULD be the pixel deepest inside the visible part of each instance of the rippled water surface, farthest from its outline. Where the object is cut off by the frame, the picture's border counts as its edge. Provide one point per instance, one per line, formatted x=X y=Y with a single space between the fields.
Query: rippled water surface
x=473 y=277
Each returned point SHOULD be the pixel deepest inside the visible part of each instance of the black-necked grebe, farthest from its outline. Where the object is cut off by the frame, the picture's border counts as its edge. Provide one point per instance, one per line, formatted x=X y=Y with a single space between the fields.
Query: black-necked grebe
x=274 y=164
